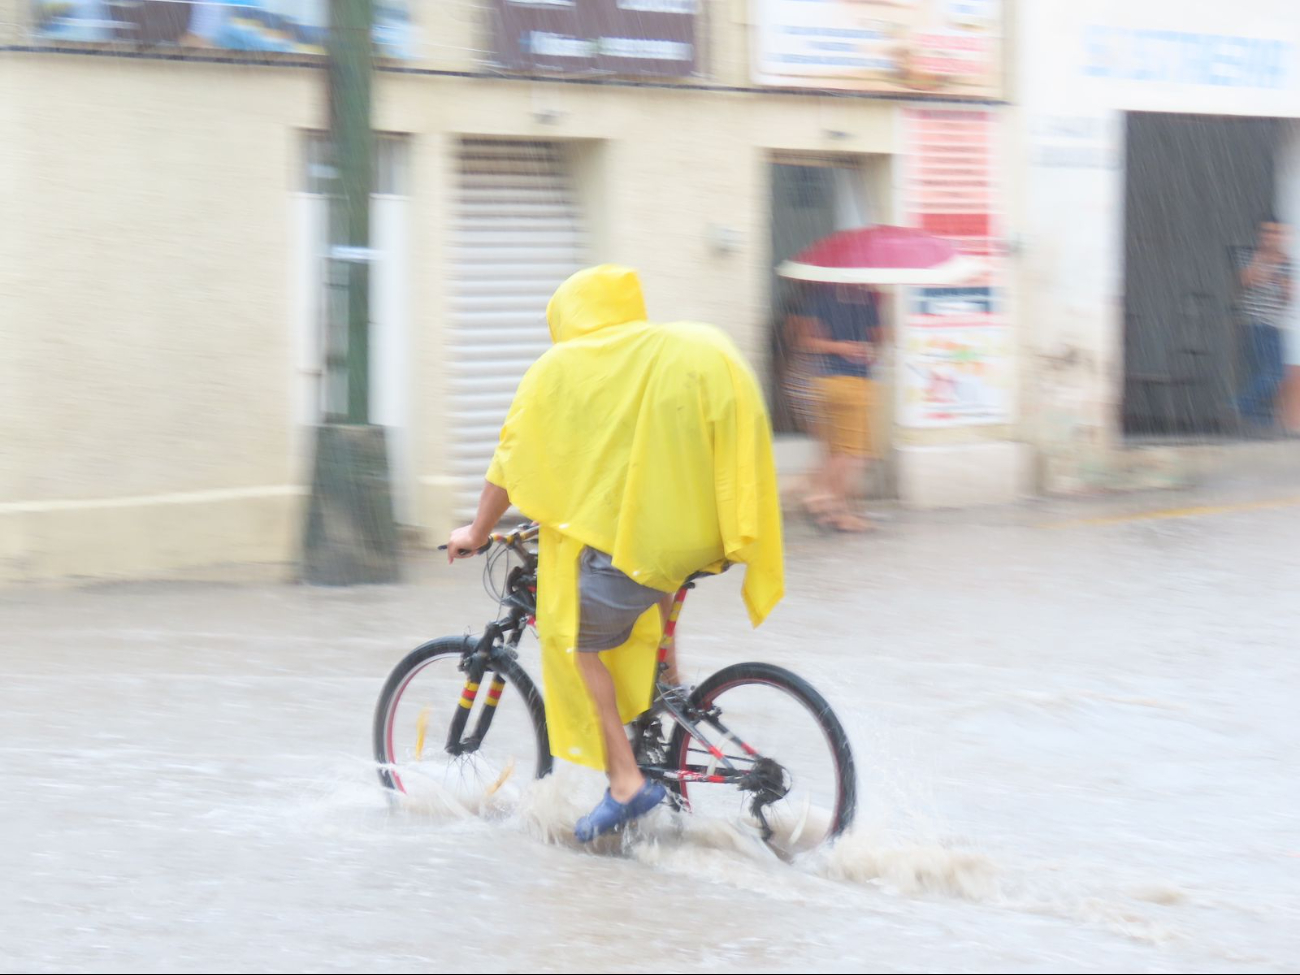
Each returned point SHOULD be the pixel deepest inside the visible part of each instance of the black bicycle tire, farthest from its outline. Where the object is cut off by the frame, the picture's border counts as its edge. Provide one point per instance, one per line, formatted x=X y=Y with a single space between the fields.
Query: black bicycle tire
x=811 y=699
x=516 y=677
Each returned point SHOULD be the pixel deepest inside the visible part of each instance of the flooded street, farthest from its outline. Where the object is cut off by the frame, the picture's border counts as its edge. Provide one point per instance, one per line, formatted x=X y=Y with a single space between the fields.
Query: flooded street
x=1075 y=745
x=288 y=287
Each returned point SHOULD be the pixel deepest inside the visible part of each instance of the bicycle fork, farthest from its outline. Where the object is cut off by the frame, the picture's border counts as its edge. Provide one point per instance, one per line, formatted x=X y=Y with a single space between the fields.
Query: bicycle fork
x=476 y=669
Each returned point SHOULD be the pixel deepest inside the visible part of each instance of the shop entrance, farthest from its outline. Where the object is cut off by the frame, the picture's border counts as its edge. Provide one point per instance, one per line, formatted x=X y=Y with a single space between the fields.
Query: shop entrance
x=812 y=197
x=1197 y=187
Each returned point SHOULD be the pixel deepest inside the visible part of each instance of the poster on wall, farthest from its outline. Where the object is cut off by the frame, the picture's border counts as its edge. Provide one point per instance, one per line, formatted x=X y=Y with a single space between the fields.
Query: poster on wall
x=949 y=47
x=621 y=37
x=274 y=26
x=956 y=376
x=955 y=351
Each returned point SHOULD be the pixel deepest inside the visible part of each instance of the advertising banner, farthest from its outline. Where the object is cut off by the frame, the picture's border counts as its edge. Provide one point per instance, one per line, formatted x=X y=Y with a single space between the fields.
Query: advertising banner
x=949 y=47
x=956 y=349
x=617 y=37
x=278 y=26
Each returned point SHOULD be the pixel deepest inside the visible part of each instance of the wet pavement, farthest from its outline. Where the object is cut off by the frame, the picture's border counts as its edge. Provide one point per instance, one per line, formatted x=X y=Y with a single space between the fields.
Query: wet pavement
x=1075 y=734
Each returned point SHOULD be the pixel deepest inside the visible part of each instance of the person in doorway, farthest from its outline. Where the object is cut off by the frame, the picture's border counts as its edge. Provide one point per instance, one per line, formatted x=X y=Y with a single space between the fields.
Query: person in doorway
x=644 y=452
x=799 y=368
x=1266 y=294
x=840 y=326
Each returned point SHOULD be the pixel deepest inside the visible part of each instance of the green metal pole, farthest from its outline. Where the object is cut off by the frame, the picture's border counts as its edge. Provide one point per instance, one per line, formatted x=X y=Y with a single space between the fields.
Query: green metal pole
x=350 y=536
x=351 y=69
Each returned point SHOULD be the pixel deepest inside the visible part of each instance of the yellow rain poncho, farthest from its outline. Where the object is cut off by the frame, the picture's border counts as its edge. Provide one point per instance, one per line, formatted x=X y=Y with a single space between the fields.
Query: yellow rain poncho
x=650 y=443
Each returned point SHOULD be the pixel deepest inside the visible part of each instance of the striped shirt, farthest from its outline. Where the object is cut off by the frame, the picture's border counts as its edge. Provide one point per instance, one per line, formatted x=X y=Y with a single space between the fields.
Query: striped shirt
x=1266 y=302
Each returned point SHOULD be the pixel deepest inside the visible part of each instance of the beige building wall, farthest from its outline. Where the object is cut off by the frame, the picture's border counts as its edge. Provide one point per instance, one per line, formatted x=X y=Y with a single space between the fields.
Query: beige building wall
x=148 y=282
x=13 y=15
x=147 y=331
x=12 y=360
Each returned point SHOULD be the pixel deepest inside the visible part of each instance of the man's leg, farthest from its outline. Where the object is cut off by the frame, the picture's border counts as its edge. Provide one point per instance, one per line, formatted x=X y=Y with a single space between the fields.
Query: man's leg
x=1274 y=368
x=853 y=476
x=818 y=498
x=1253 y=403
x=816 y=495
x=845 y=410
x=848 y=477
x=609 y=605
x=625 y=779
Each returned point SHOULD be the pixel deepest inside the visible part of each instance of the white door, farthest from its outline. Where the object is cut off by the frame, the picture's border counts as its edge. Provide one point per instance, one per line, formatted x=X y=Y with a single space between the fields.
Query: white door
x=390 y=380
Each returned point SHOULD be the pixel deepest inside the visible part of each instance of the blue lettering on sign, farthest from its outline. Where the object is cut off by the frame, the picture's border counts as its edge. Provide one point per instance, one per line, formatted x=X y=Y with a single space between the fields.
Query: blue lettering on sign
x=1184 y=58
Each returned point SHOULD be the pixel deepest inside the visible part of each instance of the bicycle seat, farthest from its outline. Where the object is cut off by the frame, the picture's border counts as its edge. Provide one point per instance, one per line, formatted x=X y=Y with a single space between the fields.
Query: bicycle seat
x=706 y=574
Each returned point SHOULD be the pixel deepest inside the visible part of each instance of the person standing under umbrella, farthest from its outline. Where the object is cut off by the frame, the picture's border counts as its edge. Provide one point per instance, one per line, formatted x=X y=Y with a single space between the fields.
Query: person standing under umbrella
x=839 y=327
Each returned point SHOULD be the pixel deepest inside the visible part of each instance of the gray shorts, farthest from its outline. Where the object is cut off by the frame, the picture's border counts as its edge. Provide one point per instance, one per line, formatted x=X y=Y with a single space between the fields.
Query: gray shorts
x=609 y=602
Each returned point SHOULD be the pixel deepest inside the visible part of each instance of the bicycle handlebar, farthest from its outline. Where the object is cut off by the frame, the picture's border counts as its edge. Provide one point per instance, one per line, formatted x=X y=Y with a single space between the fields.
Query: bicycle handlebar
x=524 y=533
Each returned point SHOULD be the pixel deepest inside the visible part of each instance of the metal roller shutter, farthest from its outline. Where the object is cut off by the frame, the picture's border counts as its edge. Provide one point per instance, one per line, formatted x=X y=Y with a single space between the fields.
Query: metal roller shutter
x=517 y=234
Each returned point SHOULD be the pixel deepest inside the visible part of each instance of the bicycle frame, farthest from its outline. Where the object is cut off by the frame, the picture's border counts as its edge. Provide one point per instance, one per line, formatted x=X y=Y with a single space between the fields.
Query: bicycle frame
x=690 y=716
x=504 y=636
x=679 y=740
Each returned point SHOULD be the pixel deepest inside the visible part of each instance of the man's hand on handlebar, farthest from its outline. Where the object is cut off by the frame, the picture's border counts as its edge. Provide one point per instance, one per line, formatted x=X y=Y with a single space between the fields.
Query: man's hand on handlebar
x=465 y=543
x=473 y=539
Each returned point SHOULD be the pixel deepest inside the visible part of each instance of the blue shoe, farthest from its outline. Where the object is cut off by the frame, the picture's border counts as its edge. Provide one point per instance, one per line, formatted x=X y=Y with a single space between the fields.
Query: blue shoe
x=611 y=814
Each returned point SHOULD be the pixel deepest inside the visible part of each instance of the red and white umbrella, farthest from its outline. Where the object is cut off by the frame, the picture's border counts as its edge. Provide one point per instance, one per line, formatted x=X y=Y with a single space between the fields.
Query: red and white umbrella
x=882 y=255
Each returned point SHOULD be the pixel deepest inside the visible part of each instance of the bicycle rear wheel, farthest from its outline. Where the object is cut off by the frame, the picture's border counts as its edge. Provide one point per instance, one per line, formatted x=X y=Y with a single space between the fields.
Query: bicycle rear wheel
x=781 y=734
x=414 y=715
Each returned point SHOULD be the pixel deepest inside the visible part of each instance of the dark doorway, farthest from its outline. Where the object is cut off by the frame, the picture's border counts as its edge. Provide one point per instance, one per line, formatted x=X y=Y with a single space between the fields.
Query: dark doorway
x=809 y=201
x=1196 y=189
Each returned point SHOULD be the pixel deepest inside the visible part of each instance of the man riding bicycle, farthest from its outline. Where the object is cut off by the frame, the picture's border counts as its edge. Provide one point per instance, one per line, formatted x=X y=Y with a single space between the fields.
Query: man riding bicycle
x=645 y=454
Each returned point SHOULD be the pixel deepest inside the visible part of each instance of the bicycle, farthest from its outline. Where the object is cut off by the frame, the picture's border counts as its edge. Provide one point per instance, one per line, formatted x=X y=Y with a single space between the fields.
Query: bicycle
x=681 y=740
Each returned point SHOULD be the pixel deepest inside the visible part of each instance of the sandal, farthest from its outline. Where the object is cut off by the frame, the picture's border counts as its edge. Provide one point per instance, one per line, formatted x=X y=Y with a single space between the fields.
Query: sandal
x=610 y=814
x=851 y=524
x=820 y=511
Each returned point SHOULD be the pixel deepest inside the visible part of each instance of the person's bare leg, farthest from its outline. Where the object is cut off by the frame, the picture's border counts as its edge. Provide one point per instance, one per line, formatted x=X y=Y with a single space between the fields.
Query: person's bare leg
x=625 y=779
x=846 y=483
x=818 y=498
x=855 y=471
x=835 y=482
x=814 y=496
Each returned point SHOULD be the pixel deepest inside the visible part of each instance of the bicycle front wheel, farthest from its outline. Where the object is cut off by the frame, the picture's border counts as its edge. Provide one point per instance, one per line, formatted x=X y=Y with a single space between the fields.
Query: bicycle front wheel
x=773 y=756
x=413 y=727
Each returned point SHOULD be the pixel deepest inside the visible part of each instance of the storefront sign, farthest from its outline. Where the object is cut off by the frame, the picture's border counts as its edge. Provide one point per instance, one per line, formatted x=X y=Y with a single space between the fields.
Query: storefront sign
x=956 y=350
x=938 y=46
x=1182 y=57
x=1089 y=57
x=621 y=37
